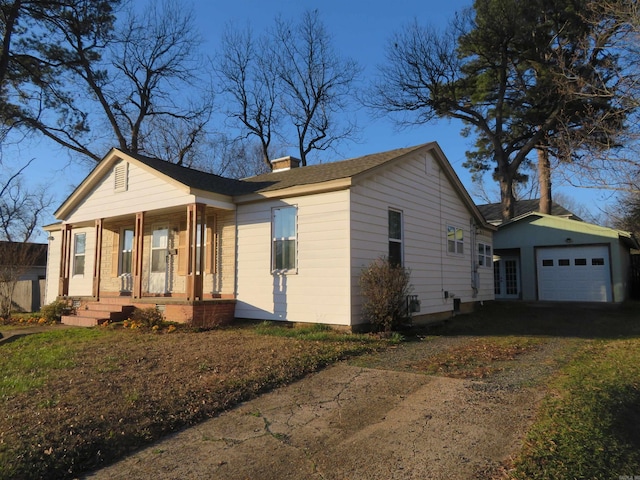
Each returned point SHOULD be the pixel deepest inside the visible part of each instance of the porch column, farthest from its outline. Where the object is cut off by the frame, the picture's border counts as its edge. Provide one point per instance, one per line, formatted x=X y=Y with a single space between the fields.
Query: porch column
x=138 y=243
x=65 y=261
x=97 y=260
x=195 y=239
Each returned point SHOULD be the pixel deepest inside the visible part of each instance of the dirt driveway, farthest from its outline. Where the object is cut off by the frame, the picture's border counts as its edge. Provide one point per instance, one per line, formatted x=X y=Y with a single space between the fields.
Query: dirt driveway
x=369 y=419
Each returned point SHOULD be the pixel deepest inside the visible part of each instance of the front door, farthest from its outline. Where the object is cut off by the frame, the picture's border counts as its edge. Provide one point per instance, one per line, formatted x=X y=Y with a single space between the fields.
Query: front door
x=158 y=272
x=506 y=272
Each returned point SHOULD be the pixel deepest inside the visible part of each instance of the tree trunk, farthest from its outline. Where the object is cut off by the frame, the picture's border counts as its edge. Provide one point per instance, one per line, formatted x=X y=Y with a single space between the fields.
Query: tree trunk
x=544 y=180
x=507 y=199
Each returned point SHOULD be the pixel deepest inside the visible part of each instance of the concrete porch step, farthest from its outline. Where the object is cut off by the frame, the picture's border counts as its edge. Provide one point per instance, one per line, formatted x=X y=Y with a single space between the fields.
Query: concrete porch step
x=78 y=321
x=96 y=313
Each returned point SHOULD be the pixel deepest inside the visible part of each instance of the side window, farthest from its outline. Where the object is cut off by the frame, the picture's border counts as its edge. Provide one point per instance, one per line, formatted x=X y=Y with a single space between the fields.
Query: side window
x=485 y=259
x=395 y=237
x=455 y=240
x=79 y=247
x=284 y=238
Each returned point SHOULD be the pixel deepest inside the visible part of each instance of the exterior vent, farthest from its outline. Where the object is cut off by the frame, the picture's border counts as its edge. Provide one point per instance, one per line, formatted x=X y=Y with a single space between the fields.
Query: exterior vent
x=121 y=177
x=285 y=163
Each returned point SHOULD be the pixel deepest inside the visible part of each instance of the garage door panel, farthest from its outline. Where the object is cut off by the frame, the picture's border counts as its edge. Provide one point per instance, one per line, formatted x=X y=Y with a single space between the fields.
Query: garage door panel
x=574 y=274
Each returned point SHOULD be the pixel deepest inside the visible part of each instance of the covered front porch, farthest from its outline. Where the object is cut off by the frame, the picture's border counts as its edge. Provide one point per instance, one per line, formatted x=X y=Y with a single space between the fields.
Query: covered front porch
x=179 y=260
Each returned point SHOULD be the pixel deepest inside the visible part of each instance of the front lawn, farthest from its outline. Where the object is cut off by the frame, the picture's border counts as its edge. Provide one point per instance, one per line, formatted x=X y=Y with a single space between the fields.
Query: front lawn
x=75 y=399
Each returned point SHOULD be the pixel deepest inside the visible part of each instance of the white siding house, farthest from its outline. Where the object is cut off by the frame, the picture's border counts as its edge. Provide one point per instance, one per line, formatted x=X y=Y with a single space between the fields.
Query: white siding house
x=287 y=246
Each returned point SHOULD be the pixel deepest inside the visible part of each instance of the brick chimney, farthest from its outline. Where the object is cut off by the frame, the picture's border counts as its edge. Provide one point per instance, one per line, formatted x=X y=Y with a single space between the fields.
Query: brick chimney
x=285 y=163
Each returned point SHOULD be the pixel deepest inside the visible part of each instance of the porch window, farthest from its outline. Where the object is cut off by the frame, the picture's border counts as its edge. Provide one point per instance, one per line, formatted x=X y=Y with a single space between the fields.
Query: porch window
x=284 y=238
x=126 y=251
x=455 y=240
x=79 y=247
x=199 y=245
x=159 y=250
x=395 y=237
x=485 y=259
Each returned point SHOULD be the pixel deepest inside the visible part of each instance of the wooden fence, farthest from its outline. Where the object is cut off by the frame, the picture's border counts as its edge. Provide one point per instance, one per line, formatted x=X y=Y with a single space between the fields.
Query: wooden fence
x=28 y=295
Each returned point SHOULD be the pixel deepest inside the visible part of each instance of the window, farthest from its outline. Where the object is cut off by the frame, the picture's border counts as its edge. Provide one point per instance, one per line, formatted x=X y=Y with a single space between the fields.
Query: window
x=547 y=262
x=159 y=250
x=455 y=240
x=126 y=250
x=395 y=237
x=597 y=261
x=485 y=259
x=120 y=175
x=79 y=247
x=564 y=262
x=284 y=234
x=580 y=261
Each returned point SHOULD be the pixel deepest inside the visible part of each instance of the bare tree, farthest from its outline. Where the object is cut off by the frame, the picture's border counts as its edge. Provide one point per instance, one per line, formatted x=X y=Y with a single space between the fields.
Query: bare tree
x=21 y=212
x=98 y=82
x=288 y=82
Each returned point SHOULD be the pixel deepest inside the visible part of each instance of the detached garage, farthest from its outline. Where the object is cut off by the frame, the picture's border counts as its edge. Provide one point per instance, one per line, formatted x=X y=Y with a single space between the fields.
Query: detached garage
x=553 y=258
x=581 y=273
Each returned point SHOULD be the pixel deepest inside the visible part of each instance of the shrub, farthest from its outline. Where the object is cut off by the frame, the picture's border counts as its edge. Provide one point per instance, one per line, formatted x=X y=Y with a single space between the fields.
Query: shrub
x=384 y=288
x=53 y=312
x=145 y=318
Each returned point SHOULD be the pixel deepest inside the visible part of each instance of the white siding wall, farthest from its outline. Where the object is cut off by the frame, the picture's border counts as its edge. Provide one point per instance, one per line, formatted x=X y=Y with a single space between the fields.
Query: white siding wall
x=53 y=266
x=429 y=203
x=145 y=192
x=320 y=290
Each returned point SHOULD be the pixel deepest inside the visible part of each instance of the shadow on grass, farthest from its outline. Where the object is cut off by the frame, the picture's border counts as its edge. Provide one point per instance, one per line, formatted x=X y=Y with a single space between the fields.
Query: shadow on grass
x=580 y=320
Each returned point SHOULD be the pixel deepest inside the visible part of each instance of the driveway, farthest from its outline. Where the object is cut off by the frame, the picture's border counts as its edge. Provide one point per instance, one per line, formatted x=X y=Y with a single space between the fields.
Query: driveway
x=352 y=422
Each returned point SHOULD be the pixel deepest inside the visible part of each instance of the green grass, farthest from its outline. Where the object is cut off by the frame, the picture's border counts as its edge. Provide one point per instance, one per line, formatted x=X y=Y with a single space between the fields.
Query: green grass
x=590 y=426
x=33 y=357
x=317 y=332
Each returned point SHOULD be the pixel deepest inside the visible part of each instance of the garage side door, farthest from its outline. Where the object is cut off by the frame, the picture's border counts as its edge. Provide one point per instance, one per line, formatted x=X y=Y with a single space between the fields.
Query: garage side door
x=574 y=274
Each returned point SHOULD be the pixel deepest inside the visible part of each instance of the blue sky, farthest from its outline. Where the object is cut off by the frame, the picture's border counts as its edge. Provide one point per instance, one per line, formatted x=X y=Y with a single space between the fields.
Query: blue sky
x=360 y=30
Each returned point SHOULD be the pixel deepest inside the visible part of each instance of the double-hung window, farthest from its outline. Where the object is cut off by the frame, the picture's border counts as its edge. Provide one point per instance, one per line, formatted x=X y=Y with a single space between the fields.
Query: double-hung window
x=395 y=237
x=79 y=247
x=126 y=251
x=485 y=259
x=455 y=240
x=284 y=238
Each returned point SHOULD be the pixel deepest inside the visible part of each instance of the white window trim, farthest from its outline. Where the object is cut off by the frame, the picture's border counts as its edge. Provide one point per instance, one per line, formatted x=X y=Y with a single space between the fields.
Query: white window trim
x=284 y=271
x=122 y=250
x=458 y=244
x=401 y=239
x=76 y=255
x=485 y=259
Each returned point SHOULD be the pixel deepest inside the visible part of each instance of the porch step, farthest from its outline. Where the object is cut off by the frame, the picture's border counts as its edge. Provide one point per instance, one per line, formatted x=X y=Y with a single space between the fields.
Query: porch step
x=78 y=321
x=96 y=313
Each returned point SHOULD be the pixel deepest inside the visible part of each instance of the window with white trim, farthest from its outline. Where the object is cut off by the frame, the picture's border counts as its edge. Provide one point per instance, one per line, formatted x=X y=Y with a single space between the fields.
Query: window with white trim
x=395 y=237
x=79 y=249
x=126 y=250
x=485 y=258
x=455 y=240
x=284 y=238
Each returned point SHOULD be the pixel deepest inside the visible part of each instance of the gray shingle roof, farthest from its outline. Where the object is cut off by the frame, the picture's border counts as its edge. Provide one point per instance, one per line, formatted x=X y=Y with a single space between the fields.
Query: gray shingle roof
x=275 y=180
x=198 y=179
x=325 y=172
x=492 y=212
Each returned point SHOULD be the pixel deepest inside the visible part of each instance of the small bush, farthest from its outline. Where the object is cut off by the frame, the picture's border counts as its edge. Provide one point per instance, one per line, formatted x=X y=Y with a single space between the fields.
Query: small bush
x=145 y=318
x=384 y=288
x=53 y=312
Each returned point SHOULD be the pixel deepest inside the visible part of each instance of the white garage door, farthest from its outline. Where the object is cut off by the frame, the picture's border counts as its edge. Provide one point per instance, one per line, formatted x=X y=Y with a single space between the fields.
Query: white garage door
x=574 y=274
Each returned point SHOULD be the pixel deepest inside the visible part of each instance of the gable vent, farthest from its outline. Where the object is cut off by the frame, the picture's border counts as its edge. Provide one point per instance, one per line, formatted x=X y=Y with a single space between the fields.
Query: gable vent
x=120 y=177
